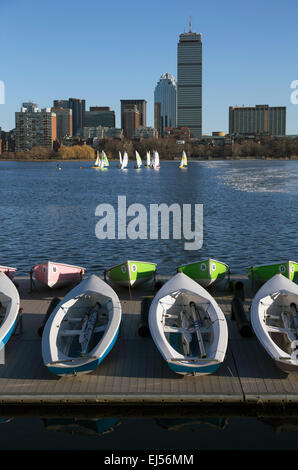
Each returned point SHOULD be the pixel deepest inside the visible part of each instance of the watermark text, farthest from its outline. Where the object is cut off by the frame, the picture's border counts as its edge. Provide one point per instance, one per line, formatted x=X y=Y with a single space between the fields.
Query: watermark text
x=159 y=221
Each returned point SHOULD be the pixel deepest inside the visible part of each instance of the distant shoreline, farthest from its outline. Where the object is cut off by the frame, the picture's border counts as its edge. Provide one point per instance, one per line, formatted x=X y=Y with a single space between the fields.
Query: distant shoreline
x=199 y=159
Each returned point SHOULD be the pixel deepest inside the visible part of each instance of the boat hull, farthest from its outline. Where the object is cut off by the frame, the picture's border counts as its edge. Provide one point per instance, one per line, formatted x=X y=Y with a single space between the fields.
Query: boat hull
x=10 y=303
x=177 y=330
x=9 y=271
x=132 y=273
x=56 y=275
x=262 y=273
x=205 y=369
x=205 y=272
x=84 y=367
x=65 y=331
x=269 y=308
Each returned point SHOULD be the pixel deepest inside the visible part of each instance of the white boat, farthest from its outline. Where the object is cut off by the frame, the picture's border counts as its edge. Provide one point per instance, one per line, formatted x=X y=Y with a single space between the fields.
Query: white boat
x=9 y=308
x=188 y=327
x=82 y=329
x=155 y=161
x=274 y=318
x=120 y=159
x=183 y=163
x=139 y=161
x=124 y=161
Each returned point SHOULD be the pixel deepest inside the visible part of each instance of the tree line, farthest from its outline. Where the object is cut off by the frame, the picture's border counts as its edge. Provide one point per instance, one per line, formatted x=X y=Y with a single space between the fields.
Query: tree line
x=266 y=147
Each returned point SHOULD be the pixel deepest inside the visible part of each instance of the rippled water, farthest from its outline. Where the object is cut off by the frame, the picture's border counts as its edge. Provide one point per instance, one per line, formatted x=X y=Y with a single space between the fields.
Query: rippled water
x=249 y=210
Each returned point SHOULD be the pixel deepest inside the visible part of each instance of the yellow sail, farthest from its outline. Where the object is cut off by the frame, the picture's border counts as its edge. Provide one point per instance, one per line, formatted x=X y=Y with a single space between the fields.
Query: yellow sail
x=183 y=163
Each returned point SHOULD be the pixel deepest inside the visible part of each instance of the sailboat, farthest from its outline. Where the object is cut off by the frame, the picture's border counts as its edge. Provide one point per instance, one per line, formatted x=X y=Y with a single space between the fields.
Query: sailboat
x=148 y=160
x=97 y=161
x=104 y=161
x=155 y=161
x=124 y=161
x=120 y=159
x=139 y=161
x=183 y=163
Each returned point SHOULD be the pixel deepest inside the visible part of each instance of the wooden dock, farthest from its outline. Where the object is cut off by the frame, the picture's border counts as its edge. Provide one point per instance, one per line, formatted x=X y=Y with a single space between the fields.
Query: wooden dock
x=134 y=372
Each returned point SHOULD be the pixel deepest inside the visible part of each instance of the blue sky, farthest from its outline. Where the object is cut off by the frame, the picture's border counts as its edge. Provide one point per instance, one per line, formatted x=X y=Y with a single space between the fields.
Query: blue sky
x=105 y=51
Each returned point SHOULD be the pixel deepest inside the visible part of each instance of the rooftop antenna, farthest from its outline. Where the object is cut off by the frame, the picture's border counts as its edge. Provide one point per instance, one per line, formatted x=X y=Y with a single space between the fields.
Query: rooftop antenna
x=190 y=24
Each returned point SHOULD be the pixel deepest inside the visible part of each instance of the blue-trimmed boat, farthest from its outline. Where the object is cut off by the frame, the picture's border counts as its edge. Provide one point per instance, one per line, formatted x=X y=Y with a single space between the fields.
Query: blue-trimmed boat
x=82 y=329
x=188 y=327
x=9 y=308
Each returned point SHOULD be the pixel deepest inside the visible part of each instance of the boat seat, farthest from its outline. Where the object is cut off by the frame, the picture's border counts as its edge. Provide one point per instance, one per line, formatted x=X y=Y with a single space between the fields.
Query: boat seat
x=272 y=317
x=176 y=329
x=78 y=332
x=277 y=329
x=170 y=315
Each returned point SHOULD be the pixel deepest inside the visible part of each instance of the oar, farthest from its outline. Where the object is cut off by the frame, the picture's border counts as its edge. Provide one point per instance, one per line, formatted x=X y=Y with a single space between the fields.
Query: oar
x=197 y=328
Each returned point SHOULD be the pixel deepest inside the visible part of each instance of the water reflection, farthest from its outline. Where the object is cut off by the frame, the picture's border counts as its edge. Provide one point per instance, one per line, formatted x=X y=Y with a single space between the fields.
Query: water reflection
x=88 y=427
x=206 y=432
x=192 y=425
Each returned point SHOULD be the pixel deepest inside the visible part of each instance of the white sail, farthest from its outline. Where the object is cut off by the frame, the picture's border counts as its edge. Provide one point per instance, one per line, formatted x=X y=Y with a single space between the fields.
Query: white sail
x=124 y=161
x=148 y=157
x=183 y=162
x=156 y=160
x=120 y=158
x=97 y=160
x=139 y=160
x=104 y=159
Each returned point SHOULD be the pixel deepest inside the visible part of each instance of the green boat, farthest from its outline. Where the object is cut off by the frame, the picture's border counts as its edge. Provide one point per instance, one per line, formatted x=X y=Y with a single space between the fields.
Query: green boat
x=205 y=272
x=264 y=272
x=131 y=273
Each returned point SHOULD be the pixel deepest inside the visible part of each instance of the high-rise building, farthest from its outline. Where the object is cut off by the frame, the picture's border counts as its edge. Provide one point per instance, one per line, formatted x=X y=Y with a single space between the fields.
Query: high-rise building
x=34 y=128
x=189 y=91
x=131 y=120
x=259 y=119
x=165 y=103
x=129 y=104
x=100 y=116
x=78 y=112
x=63 y=122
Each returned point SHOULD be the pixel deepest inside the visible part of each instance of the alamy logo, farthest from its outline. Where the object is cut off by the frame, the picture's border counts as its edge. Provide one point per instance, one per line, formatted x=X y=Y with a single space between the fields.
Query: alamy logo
x=2 y=92
x=294 y=94
x=152 y=223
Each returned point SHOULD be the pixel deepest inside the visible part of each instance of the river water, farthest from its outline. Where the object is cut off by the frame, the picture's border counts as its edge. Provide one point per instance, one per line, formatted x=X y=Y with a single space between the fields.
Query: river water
x=249 y=212
x=249 y=217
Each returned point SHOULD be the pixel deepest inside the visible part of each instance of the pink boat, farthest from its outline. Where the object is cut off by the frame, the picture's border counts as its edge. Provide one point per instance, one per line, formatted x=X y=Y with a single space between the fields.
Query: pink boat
x=8 y=270
x=58 y=274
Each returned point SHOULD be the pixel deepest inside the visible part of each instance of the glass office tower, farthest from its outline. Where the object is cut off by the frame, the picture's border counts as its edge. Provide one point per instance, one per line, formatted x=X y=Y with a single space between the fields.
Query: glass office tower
x=165 y=103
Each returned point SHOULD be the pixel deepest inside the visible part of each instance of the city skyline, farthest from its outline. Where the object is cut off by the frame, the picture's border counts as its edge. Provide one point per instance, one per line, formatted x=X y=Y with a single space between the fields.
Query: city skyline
x=248 y=55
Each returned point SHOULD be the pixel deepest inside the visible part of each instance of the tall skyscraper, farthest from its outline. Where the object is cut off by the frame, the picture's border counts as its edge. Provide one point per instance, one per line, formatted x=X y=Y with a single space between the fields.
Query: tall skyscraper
x=78 y=114
x=259 y=119
x=165 y=103
x=189 y=92
x=129 y=104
